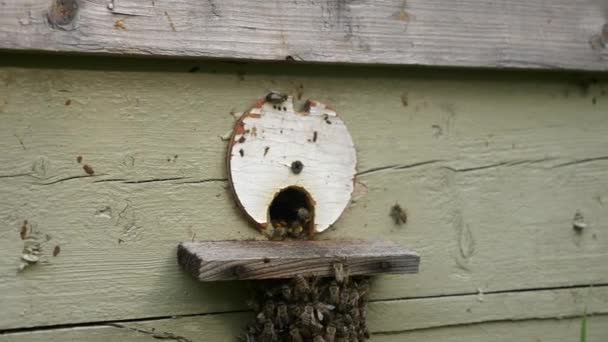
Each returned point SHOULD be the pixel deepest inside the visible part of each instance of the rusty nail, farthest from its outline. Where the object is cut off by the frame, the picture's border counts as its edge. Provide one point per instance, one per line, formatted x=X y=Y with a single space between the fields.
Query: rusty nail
x=296 y=167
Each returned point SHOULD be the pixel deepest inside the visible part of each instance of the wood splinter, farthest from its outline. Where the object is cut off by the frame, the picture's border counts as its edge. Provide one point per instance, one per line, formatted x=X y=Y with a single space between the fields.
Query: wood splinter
x=239 y=260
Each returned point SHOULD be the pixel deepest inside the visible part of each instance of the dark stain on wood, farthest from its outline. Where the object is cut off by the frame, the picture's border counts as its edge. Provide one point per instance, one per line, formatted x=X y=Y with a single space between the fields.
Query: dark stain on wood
x=56 y=250
x=79 y=159
x=170 y=21
x=88 y=169
x=119 y=25
x=314 y=137
x=266 y=150
x=68 y=102
x=242 y=139
x=242 y=153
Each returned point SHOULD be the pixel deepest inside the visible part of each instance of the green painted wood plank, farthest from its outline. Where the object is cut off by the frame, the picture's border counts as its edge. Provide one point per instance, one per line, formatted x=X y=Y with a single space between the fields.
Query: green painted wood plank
x=507 y=161
x=535 y=314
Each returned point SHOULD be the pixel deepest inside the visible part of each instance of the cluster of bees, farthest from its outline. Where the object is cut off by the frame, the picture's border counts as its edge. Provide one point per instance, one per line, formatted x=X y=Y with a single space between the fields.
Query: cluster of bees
x=283 y=229
x=310 y=309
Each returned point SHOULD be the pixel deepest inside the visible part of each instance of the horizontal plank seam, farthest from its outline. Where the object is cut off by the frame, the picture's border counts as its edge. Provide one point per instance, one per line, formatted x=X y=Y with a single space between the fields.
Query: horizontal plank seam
x=116 y=323
x=370 y=171
x=507 y=163
x=156 y=334
x=531 y=289
x=112 y=323
x=395 y=332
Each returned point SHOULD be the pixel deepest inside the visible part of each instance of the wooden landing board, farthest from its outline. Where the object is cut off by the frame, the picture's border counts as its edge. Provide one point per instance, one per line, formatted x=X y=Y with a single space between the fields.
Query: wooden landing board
x=535 y=34
x=229 y=260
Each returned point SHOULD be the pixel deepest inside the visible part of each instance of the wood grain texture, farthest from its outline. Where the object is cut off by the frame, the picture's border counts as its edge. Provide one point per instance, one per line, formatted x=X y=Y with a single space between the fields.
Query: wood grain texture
x=491 y=169
x=238 y=260
x=451 y=318
x=561 y=34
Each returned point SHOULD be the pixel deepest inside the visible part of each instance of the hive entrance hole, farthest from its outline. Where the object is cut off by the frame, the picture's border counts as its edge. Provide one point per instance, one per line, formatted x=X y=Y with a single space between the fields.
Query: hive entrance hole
x=289 y=209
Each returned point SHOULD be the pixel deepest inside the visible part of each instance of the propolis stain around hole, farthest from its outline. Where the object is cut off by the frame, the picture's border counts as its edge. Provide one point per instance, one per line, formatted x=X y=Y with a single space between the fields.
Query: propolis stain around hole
x=291 y=214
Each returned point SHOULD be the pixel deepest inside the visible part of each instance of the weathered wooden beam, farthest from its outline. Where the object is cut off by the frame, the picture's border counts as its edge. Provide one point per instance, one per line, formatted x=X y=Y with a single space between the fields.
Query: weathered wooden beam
x=536 y=34
x=230 y=260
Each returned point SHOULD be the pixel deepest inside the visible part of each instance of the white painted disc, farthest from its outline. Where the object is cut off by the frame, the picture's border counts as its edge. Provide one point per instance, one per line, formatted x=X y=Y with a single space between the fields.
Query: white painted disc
x=270 y=137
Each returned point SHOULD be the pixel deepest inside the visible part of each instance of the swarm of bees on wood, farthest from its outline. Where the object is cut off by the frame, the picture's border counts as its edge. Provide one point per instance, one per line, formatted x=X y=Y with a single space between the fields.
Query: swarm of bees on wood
x=310 y=309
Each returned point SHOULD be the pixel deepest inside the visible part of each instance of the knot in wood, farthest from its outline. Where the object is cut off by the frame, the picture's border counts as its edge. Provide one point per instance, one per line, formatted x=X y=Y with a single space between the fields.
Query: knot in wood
x=62 y=13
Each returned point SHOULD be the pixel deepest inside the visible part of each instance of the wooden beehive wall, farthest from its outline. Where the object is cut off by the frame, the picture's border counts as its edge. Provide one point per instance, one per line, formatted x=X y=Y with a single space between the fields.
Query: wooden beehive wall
x=112 y=162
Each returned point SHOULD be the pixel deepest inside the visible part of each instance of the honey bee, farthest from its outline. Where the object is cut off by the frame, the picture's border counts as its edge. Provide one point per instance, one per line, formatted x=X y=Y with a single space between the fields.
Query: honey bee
x=268 y=334
x=323 y=310
x=295 y=230
x=286 y=292
x=303 y=216
x=280 y=231
x=282 y=316
x=307 y=317
x=334 y=293
x=343 y=302
x=301 y=287
x=295 y=311
x=330 y=333
x=354 y=298
x=355 y=314
x=398 y=214
x=363 y=288
x=269 y=308
x=363 y=312
x=340 y=273
x=295 y=335
x=318 y=338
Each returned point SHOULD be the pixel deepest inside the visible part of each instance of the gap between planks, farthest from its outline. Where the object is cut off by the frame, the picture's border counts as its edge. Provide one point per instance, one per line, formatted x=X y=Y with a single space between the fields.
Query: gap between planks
x=575 y=291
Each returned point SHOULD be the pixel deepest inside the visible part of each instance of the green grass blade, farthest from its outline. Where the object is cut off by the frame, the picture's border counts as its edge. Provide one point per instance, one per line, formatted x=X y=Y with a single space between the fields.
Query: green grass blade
x=584 y=328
